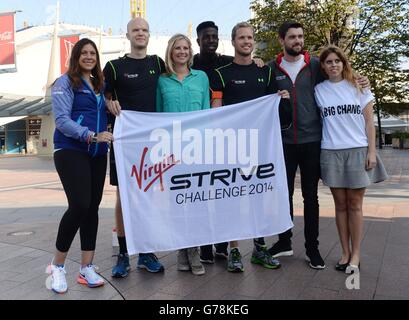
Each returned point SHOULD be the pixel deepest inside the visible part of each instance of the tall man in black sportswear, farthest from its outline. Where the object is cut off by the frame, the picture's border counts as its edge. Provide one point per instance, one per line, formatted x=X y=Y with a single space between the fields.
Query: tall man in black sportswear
x=208 y=60
x=131 y=83
x=240 y=81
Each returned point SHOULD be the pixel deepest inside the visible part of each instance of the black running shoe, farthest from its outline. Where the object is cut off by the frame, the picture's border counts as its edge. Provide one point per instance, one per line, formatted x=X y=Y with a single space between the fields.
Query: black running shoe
x=281 y=249
x=315 y=260
x=206 y=254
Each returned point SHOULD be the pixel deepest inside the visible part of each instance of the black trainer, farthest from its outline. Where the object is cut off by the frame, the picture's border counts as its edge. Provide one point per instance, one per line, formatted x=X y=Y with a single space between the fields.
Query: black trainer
x=206 y=254
x=221 y=251
x=281 y=249
x=315 y=260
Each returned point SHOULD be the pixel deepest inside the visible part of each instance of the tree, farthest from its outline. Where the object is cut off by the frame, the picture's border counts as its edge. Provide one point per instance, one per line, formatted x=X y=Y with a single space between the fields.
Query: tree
x=373 y=33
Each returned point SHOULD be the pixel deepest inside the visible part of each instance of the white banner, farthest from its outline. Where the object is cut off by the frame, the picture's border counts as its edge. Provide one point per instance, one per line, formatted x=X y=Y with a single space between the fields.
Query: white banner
x=195 y=178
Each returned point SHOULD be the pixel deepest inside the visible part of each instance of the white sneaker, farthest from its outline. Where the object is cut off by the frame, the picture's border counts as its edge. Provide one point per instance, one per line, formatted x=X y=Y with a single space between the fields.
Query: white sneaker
x=56 y=281
x=90 y=277
x=194 y=261
x=182 y=260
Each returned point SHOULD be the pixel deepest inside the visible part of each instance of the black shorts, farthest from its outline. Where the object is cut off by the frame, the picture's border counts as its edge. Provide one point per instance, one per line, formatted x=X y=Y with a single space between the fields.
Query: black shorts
x=113 y=177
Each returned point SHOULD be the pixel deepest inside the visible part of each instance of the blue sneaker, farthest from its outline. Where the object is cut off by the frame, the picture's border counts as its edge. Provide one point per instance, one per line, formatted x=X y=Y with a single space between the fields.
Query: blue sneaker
x=149 y=262
x=120 y=270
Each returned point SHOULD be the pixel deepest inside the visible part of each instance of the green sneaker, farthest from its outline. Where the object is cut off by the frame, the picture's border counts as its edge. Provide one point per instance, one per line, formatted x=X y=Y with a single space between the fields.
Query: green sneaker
x=264 y=258
x=234 y=263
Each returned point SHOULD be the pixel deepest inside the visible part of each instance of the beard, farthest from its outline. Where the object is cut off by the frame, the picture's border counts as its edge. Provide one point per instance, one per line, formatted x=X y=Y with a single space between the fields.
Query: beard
x=293 y=52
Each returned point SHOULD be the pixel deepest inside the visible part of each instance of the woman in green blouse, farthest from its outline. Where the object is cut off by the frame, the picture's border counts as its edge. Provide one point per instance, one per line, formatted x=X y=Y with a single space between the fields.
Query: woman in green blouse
x=183 y=89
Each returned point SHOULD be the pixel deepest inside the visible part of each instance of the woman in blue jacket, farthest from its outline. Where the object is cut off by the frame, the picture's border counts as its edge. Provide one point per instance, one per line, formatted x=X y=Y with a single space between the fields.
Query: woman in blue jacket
x=81 y=144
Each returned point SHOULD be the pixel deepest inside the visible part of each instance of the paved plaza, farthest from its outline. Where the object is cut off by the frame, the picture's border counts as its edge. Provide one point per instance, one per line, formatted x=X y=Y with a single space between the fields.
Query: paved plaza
x=32 y=202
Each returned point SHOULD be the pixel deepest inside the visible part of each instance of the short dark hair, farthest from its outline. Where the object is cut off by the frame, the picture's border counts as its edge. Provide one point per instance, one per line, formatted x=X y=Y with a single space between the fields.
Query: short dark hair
x=205 y=25
x=282 y=31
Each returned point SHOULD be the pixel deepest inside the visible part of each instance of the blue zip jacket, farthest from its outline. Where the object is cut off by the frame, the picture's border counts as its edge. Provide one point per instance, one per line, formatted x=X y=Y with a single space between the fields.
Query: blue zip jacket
x=78 y=113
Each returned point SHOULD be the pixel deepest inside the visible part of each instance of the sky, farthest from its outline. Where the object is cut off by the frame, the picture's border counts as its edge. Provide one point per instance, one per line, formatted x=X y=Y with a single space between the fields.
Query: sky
x=164 y=16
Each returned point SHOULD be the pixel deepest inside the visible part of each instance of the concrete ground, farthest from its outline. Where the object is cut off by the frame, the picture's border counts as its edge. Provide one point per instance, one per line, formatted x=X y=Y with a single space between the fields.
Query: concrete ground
x=32 y=202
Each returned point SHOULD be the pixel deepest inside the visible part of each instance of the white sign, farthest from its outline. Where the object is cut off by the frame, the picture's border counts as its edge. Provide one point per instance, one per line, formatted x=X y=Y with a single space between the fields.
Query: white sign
x=195 y=178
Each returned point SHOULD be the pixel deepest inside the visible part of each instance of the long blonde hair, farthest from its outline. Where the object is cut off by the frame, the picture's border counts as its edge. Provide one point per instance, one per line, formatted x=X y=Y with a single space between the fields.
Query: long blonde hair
x=347 y=72
x=171 y=45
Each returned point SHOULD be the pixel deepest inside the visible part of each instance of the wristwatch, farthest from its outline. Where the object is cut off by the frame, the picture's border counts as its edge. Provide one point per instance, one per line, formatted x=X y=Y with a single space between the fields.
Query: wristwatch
x=94 y=138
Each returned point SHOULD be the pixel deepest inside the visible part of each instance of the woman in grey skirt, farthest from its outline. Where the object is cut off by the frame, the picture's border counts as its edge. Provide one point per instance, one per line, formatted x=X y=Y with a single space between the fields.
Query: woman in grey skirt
x=349 y=162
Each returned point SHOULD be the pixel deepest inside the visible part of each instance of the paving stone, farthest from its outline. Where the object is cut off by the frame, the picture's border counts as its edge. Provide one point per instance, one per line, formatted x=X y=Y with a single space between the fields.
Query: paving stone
x=384 y=271
x=285 y=288
x=311 y=293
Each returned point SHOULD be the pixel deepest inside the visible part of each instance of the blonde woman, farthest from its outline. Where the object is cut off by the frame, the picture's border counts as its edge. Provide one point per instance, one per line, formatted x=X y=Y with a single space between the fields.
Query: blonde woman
x=349 y=162
x=183 y=89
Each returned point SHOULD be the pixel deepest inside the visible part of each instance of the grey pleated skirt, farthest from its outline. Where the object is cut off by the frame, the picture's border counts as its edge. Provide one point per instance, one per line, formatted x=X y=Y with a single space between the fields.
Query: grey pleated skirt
x=346 y=169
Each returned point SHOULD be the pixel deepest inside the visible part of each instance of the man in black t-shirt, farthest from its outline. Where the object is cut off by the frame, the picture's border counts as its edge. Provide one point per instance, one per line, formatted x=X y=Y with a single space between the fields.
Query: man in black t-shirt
x=240 y=81
x=208 y=60
x=235 y=83
x=131 y=83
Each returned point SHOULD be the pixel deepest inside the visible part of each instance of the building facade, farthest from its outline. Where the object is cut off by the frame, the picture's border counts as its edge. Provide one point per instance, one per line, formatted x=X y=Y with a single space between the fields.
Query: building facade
x=26 y=122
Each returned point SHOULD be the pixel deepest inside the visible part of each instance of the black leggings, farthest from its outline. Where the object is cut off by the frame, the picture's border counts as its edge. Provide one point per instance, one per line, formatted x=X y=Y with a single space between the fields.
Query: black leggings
x=83 y=180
